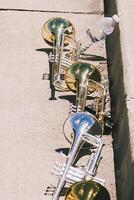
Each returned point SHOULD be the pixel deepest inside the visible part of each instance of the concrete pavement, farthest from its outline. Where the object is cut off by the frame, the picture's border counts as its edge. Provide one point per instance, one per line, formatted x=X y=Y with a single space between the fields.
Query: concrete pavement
x=93 y=6
x=31 y=124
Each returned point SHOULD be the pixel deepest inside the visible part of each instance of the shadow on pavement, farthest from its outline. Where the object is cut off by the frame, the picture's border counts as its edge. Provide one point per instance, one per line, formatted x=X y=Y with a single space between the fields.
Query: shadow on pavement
x=92 y=57
x=52 y=88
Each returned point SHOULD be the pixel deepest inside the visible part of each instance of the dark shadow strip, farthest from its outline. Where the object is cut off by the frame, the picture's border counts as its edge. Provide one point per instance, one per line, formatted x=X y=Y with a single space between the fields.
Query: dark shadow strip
x=48 y=11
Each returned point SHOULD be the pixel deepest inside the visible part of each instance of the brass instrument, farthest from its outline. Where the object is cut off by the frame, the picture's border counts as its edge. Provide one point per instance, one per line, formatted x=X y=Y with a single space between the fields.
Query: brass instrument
x=86 y=186
x=77 y=122
x=82 y=78
x=87 y=190
x=58 y=33
x=69 y=73
x=83 y=128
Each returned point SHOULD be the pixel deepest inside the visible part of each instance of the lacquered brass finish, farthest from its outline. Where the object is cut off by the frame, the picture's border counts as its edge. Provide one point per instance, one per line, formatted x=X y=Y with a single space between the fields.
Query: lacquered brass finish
x=87 y=190
x=58 y=79
x=82 y=73
x=54 y=28
x=56 y=32
x=82 y=78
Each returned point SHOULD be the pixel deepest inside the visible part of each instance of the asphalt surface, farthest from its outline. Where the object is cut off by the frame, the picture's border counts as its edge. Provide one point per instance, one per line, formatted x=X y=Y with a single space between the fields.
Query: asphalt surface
x=31 y=124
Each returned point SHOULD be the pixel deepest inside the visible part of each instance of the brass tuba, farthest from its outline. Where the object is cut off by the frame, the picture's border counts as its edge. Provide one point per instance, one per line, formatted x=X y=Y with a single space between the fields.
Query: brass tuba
x=58 y=33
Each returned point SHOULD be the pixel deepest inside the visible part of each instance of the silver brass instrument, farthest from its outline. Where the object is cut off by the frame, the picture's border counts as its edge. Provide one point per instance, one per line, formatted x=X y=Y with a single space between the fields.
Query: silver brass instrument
x=75 y=175
x=58 y=33
x=83 y=127
x=77 y=122
x=88 y=187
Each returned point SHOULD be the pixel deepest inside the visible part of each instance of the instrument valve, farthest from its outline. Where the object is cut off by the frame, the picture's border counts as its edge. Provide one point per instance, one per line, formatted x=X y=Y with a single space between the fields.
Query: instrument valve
x=101 y=117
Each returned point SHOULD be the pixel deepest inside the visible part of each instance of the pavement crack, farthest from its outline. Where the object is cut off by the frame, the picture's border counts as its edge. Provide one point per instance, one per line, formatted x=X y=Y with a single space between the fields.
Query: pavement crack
x=49 y=11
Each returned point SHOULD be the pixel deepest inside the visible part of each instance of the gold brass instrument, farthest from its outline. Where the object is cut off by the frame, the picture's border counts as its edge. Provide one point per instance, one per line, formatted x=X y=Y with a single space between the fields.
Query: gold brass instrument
x=82 y=73
x=58 y=33
x=87 y=190
x=78 y=80
x=83 y=79
x=83 y=127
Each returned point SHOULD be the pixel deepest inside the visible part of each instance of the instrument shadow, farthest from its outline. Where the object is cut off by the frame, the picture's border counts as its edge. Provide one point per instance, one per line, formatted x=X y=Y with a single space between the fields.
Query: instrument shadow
x=52 y=88
x=84 y=151
x=72 y=98
x=50 y=190
x=92 y=57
